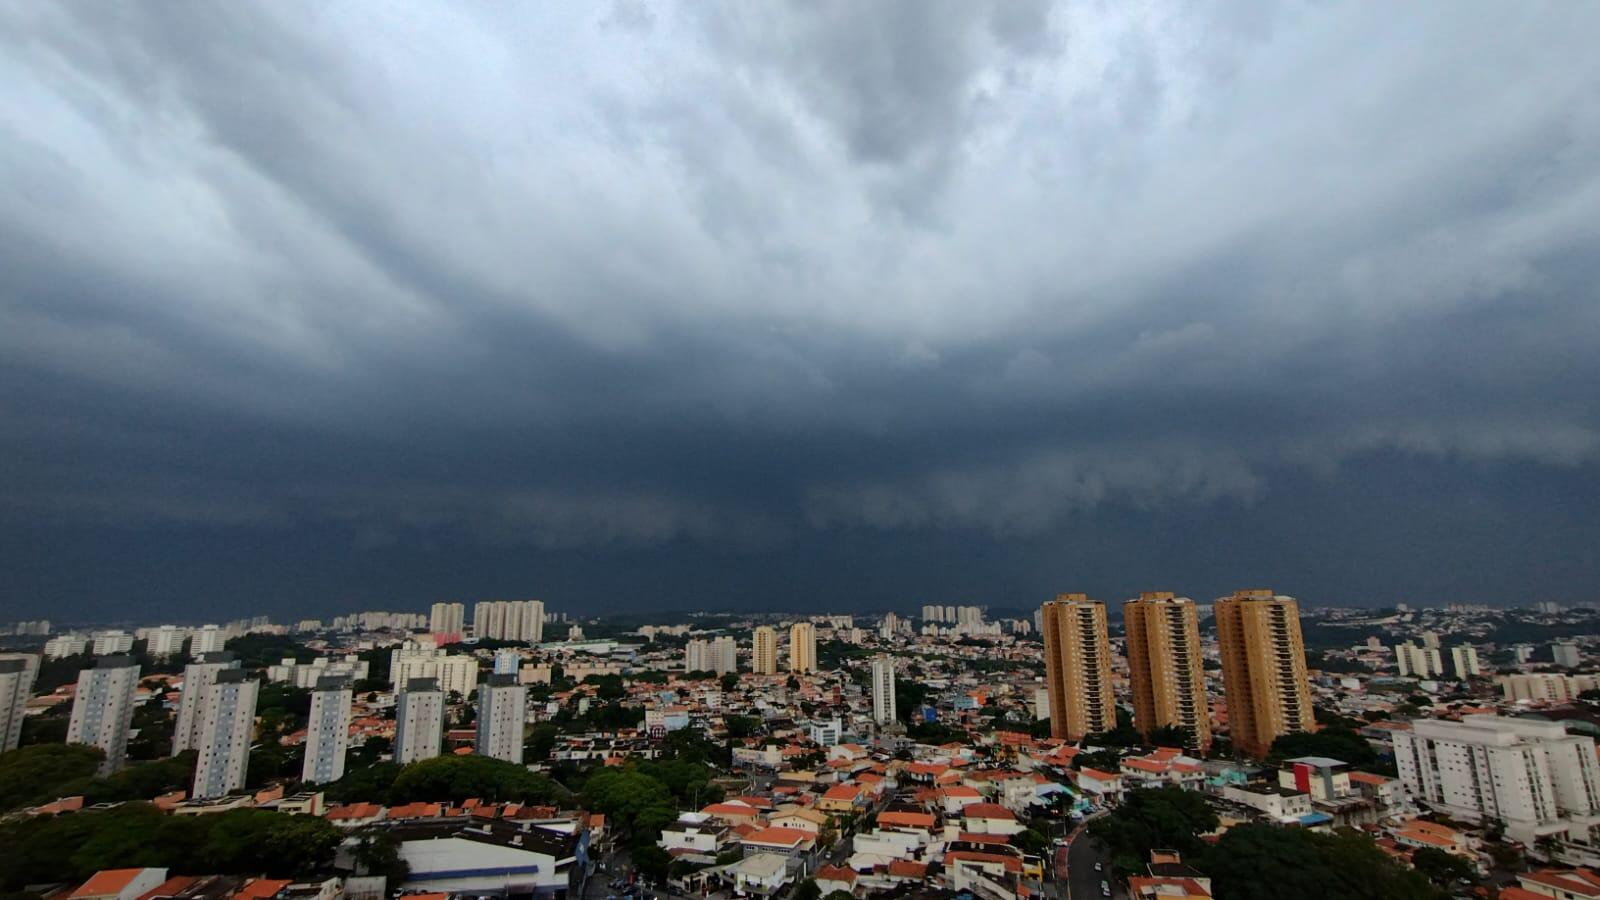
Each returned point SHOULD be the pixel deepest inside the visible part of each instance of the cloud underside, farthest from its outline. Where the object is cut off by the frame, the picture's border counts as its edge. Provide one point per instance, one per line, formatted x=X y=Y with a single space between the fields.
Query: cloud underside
x=737 y=276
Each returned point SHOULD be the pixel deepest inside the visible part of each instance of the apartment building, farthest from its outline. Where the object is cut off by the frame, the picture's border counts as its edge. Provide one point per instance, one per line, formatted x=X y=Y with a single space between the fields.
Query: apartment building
x=227 y=728
x=1166 y=667
x=1528 y=773
x=102 y=710
x=1263 y=669
x=1078 y=667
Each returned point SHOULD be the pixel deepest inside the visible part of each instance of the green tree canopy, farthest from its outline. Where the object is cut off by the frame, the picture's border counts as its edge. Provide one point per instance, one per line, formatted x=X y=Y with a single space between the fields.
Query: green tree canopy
x=33 y=775
x=1263 y=862
x=1167 y=817
x=457 y=778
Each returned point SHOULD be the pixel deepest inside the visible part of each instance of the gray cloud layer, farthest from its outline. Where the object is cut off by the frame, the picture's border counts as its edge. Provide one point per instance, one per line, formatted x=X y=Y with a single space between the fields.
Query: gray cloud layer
x=754 y=277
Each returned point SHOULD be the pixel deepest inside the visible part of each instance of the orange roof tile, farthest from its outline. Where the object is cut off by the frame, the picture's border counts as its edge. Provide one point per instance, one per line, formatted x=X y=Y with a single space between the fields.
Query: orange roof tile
x=107 y=882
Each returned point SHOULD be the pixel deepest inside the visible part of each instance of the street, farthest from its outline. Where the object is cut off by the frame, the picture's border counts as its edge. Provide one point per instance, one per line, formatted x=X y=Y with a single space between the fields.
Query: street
x=1083 y=882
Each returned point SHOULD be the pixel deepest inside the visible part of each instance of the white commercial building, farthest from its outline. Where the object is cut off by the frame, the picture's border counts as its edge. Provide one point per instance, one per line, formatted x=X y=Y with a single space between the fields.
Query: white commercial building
x=418 y=720
x=883 y=705
x=166 y=640
x=110 y=643
x=327 y=732
x=198 y=677
x=1418 y=662
x=454 y=673
x=228 y=721
x=102 y=710
x=306 y=675
x=1528 y=773
x=207 y=639
x=17 y=674
x=1546 y=687
x=66 y=645
x=487 y=857
x=502 y=711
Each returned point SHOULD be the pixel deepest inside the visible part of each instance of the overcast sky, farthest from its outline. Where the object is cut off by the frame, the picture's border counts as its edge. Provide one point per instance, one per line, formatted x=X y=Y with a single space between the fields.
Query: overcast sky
x=307 y=308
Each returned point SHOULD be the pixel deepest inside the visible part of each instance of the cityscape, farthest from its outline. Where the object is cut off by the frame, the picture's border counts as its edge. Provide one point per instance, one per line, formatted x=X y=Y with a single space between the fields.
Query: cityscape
x=1149 y=749
x=799 y=450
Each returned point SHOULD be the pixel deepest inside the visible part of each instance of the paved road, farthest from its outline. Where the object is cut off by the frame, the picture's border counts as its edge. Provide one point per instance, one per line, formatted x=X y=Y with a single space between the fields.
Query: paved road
x=1083 y=882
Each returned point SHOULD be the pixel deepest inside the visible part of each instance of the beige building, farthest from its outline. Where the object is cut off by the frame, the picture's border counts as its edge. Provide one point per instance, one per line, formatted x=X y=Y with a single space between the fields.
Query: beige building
x=1077 y=658
x=1165 y=667
x=802 y=647
x=764 y=651
x=1263 y=669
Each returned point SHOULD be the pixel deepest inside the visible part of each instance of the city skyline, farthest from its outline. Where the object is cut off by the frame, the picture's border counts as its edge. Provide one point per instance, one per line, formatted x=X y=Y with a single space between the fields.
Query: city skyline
x=706 y=311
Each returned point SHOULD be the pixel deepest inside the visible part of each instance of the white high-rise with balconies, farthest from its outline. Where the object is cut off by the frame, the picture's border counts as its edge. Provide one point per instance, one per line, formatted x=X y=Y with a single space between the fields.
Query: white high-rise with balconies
x=102 y=710
x=327 y=731
x=447 y=619
x=198 y=677
x=1528 y=773
x=227 y=728
x=17 y=674
x=883 y=702
x=1418 y=662
x=418 y=720
x=111 y=643
x=455 y=672
x=1464 y=658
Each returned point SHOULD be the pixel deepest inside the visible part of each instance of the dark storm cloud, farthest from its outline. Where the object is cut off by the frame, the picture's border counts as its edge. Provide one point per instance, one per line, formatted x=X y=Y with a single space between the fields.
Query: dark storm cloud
x=779 y=282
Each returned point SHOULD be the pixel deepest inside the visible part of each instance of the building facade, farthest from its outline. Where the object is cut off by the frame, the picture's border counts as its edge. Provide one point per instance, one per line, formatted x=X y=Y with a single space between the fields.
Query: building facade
x=883 y=702
x=502 y=710
x=1263 y=669
x=18 y=672
x=102 y=710
x=509 y=620
x=455 y=673
x=1166 y=667
x=198 y=677
x=447 y=620
x=764 y=651
x=227 y=728
x=802 y=647
x=327 y=731
x=1528 y=773
x=1077 y=655
x=1418 y=662
x=418 y=720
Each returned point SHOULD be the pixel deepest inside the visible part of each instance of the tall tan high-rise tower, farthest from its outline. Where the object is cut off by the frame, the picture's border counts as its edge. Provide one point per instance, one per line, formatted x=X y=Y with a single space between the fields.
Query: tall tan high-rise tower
x=802 y=647
x=1263 y=669
x=764 y=651
x=1077 y=658
x=1165 y=666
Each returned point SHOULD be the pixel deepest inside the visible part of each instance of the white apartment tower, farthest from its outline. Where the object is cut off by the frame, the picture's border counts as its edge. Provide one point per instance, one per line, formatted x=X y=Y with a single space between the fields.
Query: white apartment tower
x=883 y=706
x=102 y=711
x=447 y=618
x=719 y=655
x=166 y=640
x=327 y=731
x=1565 y=653
x=502 y=710
x=891 y=625
x=1464 y=659
x=456 y=673
x=418 y=721
x=509 y=620
x=933 y=613
x=764 y=651
x=227 y=727
x=17 y=674
x=208 y=639
x=802 y=647
x=1528 y=773
x=1418 y=662
x=198 y=677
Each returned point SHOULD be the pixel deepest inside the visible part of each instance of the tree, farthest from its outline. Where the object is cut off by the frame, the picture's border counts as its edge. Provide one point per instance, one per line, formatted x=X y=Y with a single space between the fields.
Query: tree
x=457 y=778
x=807 y=890
x=372 y=784
x=1169 y=736
x=1168 y=817
x=1264 y=862
x=541 y=740
x=839 y=895
x=730 y=680
x=1338 y=743
x=636 y=804
x=33 y=775
x=377 y=852
x=1443 y=869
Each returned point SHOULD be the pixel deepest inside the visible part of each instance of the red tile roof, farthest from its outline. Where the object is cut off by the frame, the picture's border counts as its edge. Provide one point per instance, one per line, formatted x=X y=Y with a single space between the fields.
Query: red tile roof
x=107 y=882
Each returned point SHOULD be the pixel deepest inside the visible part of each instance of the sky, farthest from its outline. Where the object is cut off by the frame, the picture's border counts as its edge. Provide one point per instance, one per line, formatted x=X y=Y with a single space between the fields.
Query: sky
x=311 y=308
